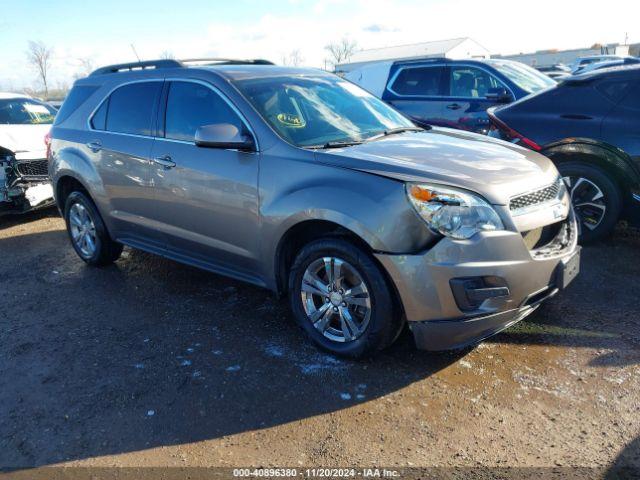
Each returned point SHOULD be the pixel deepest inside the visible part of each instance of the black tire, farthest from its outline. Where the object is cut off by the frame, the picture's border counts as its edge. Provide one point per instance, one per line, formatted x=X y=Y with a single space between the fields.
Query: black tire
x=611 y=200
x=384 y=322
x=106 y=250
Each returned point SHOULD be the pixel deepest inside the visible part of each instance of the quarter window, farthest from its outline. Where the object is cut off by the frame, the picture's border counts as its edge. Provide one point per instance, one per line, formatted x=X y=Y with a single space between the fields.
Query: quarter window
x=131 y=108
x=469 y=82
x=423 y=81
x=192 y=105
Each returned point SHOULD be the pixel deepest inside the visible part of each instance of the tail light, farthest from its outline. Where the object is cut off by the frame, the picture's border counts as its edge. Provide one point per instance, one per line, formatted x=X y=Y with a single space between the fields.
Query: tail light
x=47 y=142
x=509 y=134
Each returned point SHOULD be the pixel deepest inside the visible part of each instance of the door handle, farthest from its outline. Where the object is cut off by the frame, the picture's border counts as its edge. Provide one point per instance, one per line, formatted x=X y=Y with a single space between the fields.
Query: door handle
x=95 y=146
x=454 y=106
x=576 y=116
x=165 y=161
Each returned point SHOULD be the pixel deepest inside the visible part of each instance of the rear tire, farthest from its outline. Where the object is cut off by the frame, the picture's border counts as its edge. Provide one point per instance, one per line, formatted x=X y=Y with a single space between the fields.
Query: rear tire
x=349 y=312
x=87 y=232
x=596 y=199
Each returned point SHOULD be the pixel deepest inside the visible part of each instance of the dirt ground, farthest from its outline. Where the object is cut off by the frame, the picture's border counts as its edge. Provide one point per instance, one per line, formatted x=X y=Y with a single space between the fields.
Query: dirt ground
x=151 y=363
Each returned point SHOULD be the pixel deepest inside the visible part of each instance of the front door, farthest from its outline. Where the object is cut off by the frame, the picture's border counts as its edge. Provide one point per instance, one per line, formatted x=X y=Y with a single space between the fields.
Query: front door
x=466 y=103
x=207 y=198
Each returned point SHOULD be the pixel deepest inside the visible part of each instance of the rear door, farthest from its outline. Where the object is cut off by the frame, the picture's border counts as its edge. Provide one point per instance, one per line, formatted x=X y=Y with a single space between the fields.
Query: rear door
x=120 y=140
x=207 y=201
x=466 y=105
x=417 y=91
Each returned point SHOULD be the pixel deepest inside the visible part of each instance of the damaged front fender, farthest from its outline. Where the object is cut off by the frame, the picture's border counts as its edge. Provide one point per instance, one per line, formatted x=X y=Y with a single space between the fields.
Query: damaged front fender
x=24 y=182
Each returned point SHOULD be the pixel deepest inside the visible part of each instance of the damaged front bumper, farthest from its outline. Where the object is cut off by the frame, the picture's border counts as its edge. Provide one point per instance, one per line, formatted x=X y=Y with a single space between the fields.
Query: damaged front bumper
x=24 y=183
x=463 y=291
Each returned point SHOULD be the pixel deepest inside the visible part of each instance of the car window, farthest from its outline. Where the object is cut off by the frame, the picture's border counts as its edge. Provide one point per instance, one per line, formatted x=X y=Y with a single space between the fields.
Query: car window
x=314 y=110
x=418 y=81
x=527 y=78
x=131 y=108
x=471 y=82
x=99 y=120
x=25 y=111
x=191 y=105
x=76 y=97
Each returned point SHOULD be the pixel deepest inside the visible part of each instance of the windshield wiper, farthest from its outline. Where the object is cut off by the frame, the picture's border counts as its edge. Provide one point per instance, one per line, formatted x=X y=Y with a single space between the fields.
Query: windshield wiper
x=394 y=131
x=341 y=144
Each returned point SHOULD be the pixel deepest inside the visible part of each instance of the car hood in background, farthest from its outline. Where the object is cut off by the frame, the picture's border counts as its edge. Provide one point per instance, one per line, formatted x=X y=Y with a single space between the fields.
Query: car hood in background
x=26 y=141
x=497 y=170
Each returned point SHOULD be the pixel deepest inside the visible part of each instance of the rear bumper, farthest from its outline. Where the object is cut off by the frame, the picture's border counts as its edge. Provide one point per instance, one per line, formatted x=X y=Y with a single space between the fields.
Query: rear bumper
x=433 y=307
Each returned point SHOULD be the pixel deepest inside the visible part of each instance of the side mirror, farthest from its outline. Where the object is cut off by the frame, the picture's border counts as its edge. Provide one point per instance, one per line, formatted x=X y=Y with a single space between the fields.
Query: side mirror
x=499 y=95
x=224 y=135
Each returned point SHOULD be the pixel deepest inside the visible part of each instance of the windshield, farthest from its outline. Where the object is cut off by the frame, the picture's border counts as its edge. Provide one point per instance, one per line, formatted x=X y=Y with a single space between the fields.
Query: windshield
x=24 y=111
x=527 y=78
x=314 y=111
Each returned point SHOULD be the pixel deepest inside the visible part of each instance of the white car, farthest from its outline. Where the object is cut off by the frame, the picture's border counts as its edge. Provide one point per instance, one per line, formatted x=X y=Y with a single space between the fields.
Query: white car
x=582 y=62
x=24 y=177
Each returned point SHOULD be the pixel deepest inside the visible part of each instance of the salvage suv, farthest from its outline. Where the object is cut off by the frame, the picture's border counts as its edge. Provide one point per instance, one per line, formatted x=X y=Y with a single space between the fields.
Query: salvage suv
x=303 y=183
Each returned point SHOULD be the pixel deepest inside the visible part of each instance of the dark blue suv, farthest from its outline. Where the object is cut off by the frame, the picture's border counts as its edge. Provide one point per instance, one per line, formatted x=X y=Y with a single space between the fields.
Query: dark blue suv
x=450 y=93
x=589 y=125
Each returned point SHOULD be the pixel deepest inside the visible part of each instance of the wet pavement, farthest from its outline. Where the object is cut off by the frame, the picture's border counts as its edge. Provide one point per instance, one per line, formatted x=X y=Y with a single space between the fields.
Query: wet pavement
x=151 y=363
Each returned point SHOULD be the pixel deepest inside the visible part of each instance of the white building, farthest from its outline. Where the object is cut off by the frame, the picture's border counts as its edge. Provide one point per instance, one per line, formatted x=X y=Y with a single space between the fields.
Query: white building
x=454 y=48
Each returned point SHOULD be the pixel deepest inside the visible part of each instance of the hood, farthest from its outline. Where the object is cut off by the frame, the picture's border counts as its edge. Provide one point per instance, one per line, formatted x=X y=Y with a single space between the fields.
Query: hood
x=495 y=169
x=26 y=141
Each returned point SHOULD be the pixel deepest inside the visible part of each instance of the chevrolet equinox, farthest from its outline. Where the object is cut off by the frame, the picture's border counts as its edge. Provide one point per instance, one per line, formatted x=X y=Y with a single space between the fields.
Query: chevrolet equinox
x=301 y=182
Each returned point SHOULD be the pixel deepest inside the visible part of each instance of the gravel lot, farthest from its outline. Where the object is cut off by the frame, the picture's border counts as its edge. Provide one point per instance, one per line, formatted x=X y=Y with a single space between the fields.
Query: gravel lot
x=151 y=363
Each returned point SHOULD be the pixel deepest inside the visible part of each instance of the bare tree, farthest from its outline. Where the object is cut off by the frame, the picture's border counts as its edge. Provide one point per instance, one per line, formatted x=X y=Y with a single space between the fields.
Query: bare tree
x=39 y=55
x=167 y=55
x=342 y=50
x=295 y=58
x=86 y=67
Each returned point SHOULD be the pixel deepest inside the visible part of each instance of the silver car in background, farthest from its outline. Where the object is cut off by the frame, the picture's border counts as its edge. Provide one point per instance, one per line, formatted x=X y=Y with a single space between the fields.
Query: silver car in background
x=301 y=182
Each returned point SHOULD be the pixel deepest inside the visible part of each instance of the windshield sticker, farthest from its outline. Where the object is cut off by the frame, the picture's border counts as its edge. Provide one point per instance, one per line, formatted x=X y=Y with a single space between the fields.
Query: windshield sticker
x=37 y=109
x=291 y=120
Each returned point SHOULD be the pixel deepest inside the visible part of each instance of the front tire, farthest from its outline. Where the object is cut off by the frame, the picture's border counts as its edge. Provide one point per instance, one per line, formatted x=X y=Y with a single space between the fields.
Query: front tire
x=341 y=299
x=87 y=232
x=596 y=199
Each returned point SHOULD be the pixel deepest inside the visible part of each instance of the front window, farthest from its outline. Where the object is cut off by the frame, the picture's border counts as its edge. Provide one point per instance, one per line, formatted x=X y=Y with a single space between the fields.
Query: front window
x=470 y=82
x=527 y=78
x=311 y=111
x=24 y=111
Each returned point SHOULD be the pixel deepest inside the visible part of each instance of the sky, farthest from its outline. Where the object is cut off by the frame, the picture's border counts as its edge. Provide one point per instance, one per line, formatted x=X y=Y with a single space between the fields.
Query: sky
x=103 y=31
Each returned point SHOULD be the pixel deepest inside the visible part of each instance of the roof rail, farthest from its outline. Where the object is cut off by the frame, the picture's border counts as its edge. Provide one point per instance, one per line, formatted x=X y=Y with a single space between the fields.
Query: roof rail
x=170 y=63
x=136 y=66
x=226 y=61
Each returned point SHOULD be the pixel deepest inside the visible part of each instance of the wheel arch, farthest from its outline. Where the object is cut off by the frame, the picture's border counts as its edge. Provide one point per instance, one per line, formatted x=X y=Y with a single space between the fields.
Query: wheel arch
x=610 y=159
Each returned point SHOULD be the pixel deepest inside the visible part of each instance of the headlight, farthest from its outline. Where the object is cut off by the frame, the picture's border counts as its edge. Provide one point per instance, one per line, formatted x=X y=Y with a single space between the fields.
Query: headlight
x=452 y=212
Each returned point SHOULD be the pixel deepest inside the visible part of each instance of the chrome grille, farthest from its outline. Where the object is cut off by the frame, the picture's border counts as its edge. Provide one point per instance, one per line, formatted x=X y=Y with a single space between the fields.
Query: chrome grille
x=35 y=168
x=535 y=198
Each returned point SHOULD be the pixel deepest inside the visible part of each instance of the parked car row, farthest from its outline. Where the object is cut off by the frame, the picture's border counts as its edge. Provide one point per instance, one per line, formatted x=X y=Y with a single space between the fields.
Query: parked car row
x=301 y=182
x=588 y=123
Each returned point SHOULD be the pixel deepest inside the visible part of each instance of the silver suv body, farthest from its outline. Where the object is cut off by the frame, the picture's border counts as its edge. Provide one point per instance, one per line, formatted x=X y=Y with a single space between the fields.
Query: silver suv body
x=300 y=182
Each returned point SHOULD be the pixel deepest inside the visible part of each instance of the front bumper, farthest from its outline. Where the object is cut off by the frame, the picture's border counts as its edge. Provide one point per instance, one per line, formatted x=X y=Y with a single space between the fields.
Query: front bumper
x=434 y=313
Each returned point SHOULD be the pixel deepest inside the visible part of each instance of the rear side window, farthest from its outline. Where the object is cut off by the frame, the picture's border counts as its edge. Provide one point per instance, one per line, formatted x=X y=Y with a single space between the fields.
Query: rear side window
x=76 y=97
x=99 y=120
x=424 y=81
x=192 y=105
x=131 y=108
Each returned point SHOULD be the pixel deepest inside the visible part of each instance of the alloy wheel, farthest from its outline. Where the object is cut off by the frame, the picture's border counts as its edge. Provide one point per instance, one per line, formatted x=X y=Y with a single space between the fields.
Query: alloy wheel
x=588 y=201
x=336 y=299
x=83 y=230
